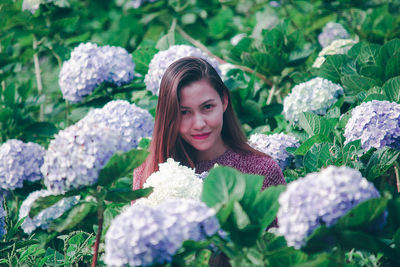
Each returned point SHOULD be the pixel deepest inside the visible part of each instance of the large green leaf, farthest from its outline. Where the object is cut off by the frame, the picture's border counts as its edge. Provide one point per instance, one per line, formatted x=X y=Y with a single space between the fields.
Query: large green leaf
x=305 y=147
x=125 y=196
x=391 y=89
x=387 y=51
x=354 y=84
x=380 y=161
x=120 y=165
x=319 y=156
x=393 y=66
x=316 y=125
x=219 y=24
x=72 y=217
x=363 y=214
x=331 y=68
x=45 y=202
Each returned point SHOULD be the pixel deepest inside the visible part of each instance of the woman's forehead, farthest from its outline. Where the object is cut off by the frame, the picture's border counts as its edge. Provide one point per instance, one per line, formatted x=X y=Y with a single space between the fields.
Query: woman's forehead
x=197 y=93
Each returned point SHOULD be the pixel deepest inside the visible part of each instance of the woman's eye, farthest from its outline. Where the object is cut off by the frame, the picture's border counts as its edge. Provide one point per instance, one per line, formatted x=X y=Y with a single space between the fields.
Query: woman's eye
x=184 y=112
x=209 y=106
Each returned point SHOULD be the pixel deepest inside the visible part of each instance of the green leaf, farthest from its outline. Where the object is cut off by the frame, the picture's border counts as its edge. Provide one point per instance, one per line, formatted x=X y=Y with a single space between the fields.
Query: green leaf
x=143 y=55
x=170 y=39
x=9 y=94
x=380 y=161
x=393 y=66
x=42 y=129
x=387 y=51
x=354 y=84
x=316 y=125
x=318 y=156
x=45 y=202
x=242 y=46
x=18 y=244
x=363 y=214
x=78 y=38
x=321 y=239
x=273 y=39
x=72 y=217
x=266 y=206
x=305 y=147
x=223 y=185
x=219 y=24
x=391 y=89
x=120 y=165
x=240 y=217
x=331 y=68
x=125 y=196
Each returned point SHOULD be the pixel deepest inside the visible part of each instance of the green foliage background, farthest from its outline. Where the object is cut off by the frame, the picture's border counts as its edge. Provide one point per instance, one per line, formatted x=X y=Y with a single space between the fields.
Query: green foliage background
x=276 y=54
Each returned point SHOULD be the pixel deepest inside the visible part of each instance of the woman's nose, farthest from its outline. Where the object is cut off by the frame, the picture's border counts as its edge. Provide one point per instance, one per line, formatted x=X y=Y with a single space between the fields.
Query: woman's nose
x=199 y=121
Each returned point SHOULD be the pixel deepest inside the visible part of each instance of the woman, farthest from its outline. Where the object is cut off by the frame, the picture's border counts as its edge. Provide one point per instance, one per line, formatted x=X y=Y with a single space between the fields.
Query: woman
x=196 y=125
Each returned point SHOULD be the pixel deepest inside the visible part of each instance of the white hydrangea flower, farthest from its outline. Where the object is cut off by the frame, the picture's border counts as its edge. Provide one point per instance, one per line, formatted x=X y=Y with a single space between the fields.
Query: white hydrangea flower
x=33 y=5
x=337 y=47
x=332 y=31
x=130 y=121
x=46 y=216
x=275 y=145
x=163 y=59
x=316 y=95
x=320 y=198
x=172 y=180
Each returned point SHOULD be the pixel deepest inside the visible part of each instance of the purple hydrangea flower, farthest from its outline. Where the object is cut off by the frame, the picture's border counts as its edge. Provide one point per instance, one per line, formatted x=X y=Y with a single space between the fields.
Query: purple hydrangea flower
x=19 y=162
x=76 y=156
x=316 y=95
x=320 y=199
x=3 y=215
x=163 y=59
x=275 y=145
x=332 y=31
x=90 y=65
x=143 y=236
x=130 y=121
x=45 y=217
x=376 y=123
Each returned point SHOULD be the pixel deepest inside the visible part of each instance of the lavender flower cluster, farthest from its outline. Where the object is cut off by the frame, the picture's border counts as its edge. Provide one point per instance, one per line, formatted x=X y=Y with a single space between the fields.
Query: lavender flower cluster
x=76 y=156
x=78 y=153
x=33 y=5
x=275 y=145
x=143 y=236
x=331 y=32
x=3 y=215
x=315 y=95
x=320 y=198
x=90 y=65
x=163 y=59
x=376 y=123
x=19 y=162
x=130 y=121
x=45 y=217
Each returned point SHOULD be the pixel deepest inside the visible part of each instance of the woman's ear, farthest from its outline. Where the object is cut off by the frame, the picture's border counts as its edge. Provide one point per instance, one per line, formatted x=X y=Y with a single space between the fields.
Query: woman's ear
x=225 y=100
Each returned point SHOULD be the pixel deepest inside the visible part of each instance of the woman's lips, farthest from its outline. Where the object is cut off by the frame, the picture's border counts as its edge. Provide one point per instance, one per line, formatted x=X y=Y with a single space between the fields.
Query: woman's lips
x=200 y=136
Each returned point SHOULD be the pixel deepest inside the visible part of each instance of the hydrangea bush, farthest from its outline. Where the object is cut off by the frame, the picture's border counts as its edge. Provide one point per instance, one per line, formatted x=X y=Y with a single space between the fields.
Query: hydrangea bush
x=376 y=123
x=90 y=65
x=163 y=59
x=45 y=217
x=143 y=236
x=172 y=180
x=76 y=156
x=331 y=32
x=316 y=95
x=337 y=47
x=275 y=145
x=19 y=162
x=128 y=120
x=320 y=199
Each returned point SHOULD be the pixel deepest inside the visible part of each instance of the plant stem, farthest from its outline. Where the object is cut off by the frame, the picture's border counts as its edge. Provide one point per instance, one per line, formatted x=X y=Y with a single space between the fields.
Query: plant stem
x=3 y=83
x=38 y=77
x=220 y=60
x=396 y=172
x=100 y=212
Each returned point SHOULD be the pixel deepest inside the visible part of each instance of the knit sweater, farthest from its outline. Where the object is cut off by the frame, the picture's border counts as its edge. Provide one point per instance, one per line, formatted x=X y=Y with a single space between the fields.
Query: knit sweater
x=246 y=163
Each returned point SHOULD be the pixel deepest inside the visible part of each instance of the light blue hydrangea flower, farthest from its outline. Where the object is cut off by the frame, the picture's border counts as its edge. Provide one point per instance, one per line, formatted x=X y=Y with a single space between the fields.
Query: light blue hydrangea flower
x=143 y=236
x=376 y=123
x=3 y=215
x=90 y=65
x=320 y=199
x=332 y=31
x=19 y=162
x=128 y=120
x=33 y=5
x=275 y=145
x=316 y=95
x=163 y=59
x=76 y=156
x=45 y=217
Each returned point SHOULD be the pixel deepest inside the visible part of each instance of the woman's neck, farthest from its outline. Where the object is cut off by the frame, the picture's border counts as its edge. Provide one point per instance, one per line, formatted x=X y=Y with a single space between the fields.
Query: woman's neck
x=212 y=153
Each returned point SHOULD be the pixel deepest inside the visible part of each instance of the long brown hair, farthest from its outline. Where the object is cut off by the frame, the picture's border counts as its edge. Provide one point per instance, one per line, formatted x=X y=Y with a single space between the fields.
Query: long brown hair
x=166 y=141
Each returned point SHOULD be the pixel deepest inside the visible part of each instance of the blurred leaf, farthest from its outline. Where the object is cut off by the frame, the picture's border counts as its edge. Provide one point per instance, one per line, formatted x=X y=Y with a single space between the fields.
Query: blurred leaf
x=125 y=196
x=72 y=217
x=380 y=161
x=219 y=24
x=240 y=217
x=265 y=208
x=393 y=66
x=45 y=202
x=243 y=46
x=321 y=239
x=391 y=89
x=305 y=147
x=363 y=214
x=120 y=165
x=7 y=245
x=78 y=38
x=387 y=51
x=40 y=129
x=143 y=55
x=9 y=94
x=354 y=84
x=272 y=110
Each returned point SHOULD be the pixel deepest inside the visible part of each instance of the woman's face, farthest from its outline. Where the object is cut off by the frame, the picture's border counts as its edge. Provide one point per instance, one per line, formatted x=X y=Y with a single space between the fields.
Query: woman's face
x=202 y=112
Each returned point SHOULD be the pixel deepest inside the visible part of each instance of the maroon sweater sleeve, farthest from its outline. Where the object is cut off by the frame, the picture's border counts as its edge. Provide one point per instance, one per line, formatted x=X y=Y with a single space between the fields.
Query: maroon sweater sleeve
x=137 y=177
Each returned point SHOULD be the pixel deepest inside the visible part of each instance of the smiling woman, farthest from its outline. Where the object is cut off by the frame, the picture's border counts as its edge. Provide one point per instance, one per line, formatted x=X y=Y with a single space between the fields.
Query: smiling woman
x=196 y=125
